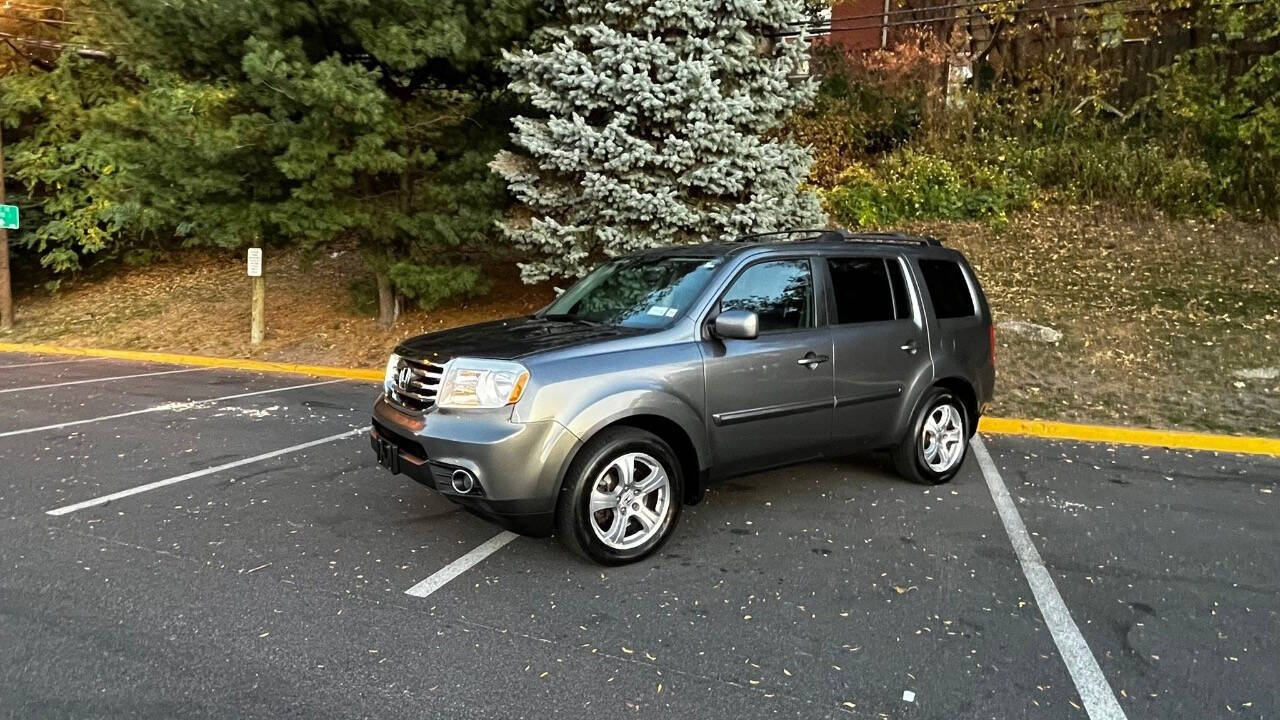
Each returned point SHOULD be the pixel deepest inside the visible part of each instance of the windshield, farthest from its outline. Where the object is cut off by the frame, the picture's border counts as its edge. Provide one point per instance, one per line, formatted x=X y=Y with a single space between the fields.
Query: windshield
x=638 y=292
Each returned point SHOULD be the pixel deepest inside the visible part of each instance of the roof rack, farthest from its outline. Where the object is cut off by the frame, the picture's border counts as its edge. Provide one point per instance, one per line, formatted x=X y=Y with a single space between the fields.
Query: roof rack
x=893 y=238
x=817 y=235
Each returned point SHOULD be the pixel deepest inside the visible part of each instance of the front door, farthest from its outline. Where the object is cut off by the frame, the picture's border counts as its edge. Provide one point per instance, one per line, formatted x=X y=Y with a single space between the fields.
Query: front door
x=769 y=399
x=881 y=347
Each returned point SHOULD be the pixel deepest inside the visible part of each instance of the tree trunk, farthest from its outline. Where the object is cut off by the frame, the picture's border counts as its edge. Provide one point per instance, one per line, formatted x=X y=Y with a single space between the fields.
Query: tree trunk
x=6 y=298
x=386 y=302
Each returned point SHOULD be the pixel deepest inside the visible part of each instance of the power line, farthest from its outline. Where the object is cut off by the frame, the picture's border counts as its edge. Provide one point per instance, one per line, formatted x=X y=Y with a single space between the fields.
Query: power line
x=904 y=11
x=823 y=30
x=830 y=27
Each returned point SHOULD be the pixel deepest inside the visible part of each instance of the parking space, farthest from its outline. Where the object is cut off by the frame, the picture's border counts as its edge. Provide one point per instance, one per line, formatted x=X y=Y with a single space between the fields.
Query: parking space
x=224 y=546
x=1168 y=560
x=65 y=465
x=36 y=375
x=320 y=518
x=34 y=397
x=831 y=582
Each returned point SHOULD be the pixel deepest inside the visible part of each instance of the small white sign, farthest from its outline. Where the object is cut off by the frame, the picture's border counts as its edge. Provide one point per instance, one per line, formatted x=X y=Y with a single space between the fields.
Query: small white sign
x=255 y=262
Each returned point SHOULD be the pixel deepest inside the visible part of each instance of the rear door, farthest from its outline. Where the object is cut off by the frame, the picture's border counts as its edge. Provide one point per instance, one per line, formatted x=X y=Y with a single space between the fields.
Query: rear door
x=880 y=345
x=769 y=400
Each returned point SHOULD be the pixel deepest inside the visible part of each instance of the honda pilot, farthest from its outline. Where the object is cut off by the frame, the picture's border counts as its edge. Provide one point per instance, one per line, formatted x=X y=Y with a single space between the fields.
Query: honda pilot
x=602 y=415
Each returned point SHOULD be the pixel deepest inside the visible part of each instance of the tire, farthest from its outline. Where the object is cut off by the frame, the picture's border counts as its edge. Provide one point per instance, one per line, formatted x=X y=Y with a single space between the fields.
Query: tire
x=597 y=475
x=922 y=458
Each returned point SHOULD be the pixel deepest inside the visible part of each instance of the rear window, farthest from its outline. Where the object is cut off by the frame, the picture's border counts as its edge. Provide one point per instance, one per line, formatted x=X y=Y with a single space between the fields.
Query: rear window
x=862 y=290
x=948 y=289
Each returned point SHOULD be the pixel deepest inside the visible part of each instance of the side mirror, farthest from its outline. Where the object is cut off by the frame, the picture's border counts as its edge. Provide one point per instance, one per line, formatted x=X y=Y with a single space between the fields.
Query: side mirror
x=737 y=325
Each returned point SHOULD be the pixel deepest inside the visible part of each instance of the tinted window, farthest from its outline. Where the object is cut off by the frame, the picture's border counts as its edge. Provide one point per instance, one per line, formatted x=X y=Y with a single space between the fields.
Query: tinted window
x=901 y=299
x=862 y=290
x=780 y=292
x=947 y=288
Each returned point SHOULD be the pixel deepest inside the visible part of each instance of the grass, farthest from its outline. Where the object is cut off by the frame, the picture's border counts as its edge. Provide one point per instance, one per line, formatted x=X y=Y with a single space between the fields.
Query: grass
x=198 y=302
x=1157 y=314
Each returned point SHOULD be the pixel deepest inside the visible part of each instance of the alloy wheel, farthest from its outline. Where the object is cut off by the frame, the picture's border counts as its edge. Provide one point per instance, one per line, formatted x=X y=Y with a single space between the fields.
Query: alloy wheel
x=630 y=501
x=942 y=438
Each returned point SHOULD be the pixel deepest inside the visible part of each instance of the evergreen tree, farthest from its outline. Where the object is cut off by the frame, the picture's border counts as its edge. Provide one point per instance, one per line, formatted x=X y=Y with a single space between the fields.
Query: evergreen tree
x=304 y=121
x=48 y=101
x=654 y=129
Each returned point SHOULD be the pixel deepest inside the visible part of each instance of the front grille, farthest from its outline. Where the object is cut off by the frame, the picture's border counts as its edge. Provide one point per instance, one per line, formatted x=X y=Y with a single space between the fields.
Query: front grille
x=415 y=384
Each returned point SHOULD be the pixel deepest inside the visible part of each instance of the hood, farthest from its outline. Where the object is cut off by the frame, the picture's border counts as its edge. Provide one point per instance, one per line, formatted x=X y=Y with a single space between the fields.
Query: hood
x=508 y=339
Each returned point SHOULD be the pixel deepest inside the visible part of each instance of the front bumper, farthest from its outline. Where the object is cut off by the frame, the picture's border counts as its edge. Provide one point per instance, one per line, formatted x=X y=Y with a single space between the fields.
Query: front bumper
x=518 y=466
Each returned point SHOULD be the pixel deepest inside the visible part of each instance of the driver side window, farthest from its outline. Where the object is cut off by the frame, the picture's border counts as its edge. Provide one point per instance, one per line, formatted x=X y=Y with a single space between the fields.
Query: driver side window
x=780 y=292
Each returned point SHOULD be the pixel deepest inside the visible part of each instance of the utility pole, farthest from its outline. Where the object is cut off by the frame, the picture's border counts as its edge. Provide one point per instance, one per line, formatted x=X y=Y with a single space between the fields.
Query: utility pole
x=6 y=295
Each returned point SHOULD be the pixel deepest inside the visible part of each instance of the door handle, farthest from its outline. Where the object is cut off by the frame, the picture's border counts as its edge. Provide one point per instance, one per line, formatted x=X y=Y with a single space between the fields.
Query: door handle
x=811 y=360
x=911 y=347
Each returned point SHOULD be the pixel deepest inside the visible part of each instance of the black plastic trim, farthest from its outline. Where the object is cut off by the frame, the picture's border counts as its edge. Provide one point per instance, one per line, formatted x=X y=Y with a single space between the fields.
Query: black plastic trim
x=873 y=397
x=773 y=411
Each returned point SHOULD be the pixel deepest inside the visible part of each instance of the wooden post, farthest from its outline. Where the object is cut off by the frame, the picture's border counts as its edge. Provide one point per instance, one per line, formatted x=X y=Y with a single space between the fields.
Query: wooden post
x=259 y=310
x=6 y=295
x=258 y=314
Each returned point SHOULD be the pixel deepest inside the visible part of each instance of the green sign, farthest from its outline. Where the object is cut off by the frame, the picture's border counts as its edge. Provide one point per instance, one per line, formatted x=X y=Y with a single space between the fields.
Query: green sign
x=8 y=217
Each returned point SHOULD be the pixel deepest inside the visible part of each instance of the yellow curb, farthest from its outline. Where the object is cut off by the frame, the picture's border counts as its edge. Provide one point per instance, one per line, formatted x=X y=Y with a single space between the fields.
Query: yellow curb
x=1047 y=429
x=1173 y=439
x=199 y=361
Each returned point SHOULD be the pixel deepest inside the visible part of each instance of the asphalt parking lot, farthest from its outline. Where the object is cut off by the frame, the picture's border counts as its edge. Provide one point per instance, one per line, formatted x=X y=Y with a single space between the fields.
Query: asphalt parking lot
x=179 y=542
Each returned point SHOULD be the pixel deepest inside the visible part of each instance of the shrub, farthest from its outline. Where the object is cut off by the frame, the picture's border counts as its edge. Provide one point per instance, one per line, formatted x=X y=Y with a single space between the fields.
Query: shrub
x=911 y=185
x=868 y=103
x=429 y=285
x=889 y=144
x=1221 y=102
x=1096 y=169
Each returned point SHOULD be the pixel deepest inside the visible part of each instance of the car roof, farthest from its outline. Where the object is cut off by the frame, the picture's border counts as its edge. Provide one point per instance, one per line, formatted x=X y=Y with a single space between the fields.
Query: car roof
x=820 y=240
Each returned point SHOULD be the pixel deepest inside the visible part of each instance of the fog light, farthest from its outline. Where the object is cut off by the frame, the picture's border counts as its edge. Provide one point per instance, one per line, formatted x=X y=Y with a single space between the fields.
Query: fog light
x=463 y=481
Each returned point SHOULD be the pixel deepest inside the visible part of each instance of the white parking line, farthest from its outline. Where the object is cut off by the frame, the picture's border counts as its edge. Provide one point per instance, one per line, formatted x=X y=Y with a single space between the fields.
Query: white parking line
x=46 y=362
x=461 y=565
x=171 y=406
x=103 y=500
x=1095 y=692
x=104 y=379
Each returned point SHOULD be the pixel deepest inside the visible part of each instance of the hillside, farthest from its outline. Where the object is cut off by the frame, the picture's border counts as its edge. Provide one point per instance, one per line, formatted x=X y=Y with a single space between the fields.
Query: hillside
x=1165 y=323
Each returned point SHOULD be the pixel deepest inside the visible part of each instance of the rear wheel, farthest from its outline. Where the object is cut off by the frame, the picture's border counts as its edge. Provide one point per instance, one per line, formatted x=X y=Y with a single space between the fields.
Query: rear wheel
x=934 y=447
x=621 y=498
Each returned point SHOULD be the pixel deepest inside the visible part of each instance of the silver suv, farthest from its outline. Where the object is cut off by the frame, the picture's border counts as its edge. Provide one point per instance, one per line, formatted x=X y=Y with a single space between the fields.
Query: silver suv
x=661 y=372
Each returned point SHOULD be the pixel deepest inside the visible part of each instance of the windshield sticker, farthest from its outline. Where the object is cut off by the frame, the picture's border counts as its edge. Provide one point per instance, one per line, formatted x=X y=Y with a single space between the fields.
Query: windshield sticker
x=662 y=311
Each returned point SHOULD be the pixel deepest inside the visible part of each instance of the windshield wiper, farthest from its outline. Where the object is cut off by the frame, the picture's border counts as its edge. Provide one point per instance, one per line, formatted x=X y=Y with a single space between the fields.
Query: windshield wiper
x=561 y=317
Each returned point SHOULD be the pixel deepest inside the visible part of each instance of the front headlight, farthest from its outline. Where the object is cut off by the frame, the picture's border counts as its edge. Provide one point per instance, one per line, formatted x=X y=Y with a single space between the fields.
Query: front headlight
x=473 y=383
x=389 y=378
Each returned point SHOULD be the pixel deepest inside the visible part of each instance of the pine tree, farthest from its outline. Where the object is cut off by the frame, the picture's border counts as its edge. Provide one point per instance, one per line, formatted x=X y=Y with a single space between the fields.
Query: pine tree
x=301 y=122
x=653 y=128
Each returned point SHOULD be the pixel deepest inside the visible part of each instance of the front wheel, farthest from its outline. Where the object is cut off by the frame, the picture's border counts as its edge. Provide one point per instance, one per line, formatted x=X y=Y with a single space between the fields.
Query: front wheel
x=621 y=498
x=934 y=447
